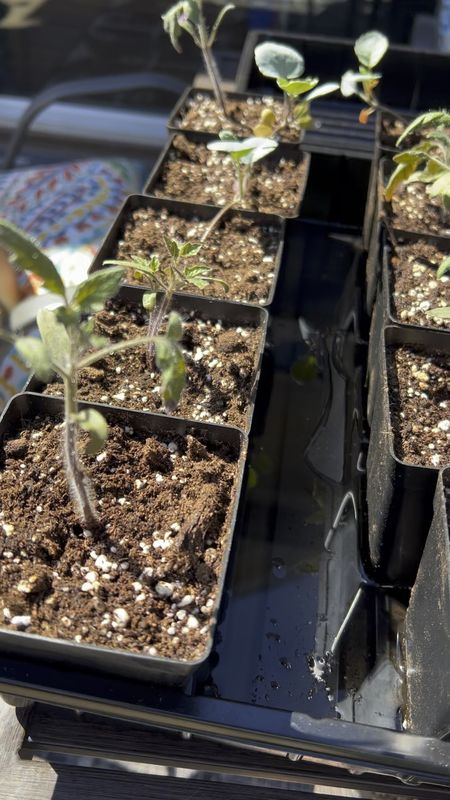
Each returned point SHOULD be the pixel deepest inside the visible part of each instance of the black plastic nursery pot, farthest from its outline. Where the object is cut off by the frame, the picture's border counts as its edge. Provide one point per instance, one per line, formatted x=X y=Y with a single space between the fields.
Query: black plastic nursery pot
x=191 y=212
x=187 y=99
x=237 y=314
x=386 y=211
x=283 y=151
x=399 y=495
x=26 y=407
x=427 y=631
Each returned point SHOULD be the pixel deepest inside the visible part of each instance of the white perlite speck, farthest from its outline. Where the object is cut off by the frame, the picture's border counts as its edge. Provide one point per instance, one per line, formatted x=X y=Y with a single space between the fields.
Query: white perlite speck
x=121 y=617
x=186 y=601
x=164 y=589
x=444 y=425
x=21 y=621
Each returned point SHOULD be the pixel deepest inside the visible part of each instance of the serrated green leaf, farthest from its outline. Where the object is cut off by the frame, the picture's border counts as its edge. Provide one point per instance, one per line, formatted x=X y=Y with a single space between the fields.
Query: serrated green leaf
x=149 y=301
x=189 y=249
x=174 y=327
x=297 y=87
x=94 y=423
x=92 y=294
x=218 y=21
x=55 y=338
x=35 y=353
x=443 y=268
x=30 y=257
x=278 y=60
x=370 y=48
x=170 y=362
x=171 y=26
x=172 y=246
x=433 y=118
x=439 y=313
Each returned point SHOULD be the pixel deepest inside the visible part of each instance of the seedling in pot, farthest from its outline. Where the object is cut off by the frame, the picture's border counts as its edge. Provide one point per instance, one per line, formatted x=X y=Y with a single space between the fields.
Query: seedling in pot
x=286 y=66
x=188 y=16
x=442 y=312
x=178 y=275
x=428 y=161
x=68 y=344
x=369 y=49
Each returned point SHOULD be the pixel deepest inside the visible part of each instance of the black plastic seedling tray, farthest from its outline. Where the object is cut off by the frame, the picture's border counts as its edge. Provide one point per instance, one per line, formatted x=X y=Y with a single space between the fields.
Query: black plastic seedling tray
x=283 y=151
x=297 y=600
x=65 y=654
x=193 y=211
x=206 y=308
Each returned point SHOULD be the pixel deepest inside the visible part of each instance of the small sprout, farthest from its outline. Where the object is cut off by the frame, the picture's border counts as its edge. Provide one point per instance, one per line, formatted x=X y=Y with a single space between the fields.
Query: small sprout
x=67 y=344
x=369 y=49
x=244 y=154
x=188 y=16
x=443 y=268
x=439 y=313
x=286 y=65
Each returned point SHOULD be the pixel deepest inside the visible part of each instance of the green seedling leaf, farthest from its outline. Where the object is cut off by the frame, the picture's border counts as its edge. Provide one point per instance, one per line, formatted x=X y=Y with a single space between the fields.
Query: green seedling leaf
x=35 y=353
x=174 y=327
x=94 y=423
x=92 y=294
x=30 y=257
x=439 y=313
x=441 y=186
x=350 y=81
x=227 y=136
x=149 y=301
x=370 y=48
x=173 y=248
x=246 y=151
x=218 y=22
x=170 y=362
x=146 y=266
x=399 y=176
x=55 y=338
x=297 y=87
x=305 y=369
x=171 y=24
x=189 y=249
x=443 y=268
x=416 y=155
x=278 y=61
x=200 y=276
x=321 y=91
x=430 y=118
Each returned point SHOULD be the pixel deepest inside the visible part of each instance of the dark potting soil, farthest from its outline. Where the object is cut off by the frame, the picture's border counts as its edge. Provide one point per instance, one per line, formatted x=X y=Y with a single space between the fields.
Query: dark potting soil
x=391 y=129
x=221 y=360
x=412 y=209
x=419 y=384
x=202 y=113
x=146 y=581
x=192 y=172
x=239 y=251
x=415 y=288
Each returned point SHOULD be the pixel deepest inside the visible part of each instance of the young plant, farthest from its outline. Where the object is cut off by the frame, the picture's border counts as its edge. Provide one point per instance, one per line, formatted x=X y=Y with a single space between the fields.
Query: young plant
x=179 y=273
x=244 y=154
x=188 y=16
x=286 y=66
x=426 y=162
x=442 y=312
x=68 y=344
x=369 y=49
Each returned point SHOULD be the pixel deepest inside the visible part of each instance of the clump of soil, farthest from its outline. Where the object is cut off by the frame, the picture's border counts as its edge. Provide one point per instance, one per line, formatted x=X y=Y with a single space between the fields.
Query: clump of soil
x=193 y=172
x=412 y=209
x=414 y=286
x=420 y=405
x=239 y=251
x=391 y=129
x=147 y=580
x=202 y=113
x=221 y=360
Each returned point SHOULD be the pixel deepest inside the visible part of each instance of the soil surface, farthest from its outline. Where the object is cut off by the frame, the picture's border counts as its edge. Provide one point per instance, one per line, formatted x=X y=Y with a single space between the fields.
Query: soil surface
x=420 y=405
x=221 y=362
x=202 y=113
x=412 y=209
x=146 y=581
x=192 y=172
x=414 y=286
x=239 y=251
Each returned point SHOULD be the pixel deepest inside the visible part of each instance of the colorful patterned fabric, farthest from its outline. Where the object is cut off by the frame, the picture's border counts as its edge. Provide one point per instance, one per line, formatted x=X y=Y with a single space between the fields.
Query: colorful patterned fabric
x=67 y=209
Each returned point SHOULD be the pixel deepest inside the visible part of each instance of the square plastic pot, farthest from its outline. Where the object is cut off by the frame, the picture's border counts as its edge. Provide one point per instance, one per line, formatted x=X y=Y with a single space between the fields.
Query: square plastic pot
x=188 y=211
x=184 y=304
x=399 y=495
x=25 y=407
x=282 y=151
x=427 y=627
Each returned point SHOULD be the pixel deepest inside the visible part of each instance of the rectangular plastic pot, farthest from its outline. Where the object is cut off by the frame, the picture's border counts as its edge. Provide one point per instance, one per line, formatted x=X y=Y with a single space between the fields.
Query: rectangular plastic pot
x=238 y=313
x=399 y=495
x=282 y=151
x=427 y=628
x=174 y=126
x=26 y=406
x=187 y=211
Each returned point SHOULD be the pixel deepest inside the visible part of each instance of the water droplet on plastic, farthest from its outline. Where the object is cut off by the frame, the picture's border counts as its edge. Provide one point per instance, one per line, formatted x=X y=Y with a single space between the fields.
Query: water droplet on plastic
x=285 y=663
x=274 y=684
x=275 y=637
x=279 y=568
